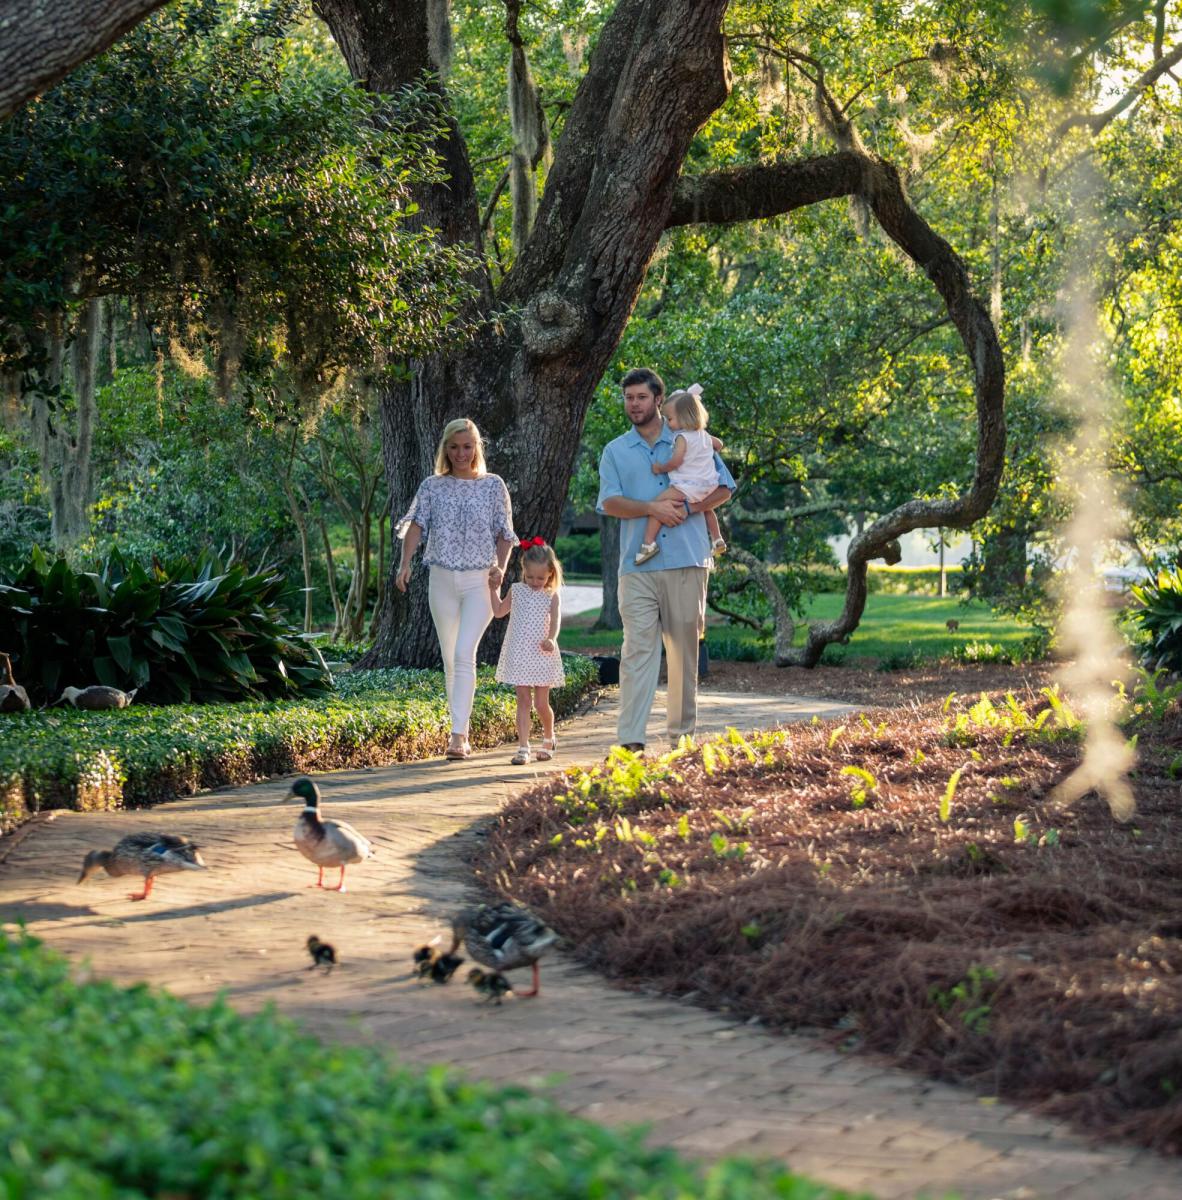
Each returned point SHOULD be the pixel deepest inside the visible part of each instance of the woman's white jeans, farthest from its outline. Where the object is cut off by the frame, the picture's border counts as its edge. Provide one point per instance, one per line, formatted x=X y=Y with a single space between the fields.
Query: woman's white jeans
x=462 y=609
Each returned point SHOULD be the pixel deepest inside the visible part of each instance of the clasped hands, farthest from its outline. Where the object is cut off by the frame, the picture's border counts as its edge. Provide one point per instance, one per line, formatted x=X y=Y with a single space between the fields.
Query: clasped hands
x=667 y=510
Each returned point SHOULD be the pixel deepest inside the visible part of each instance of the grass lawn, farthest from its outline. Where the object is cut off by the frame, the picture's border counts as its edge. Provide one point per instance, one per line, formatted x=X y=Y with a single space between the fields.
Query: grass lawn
x=902 y=879
x=892 y=626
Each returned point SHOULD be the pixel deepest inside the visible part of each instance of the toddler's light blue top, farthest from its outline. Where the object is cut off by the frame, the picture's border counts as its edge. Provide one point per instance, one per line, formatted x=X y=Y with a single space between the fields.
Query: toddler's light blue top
x=626 y=469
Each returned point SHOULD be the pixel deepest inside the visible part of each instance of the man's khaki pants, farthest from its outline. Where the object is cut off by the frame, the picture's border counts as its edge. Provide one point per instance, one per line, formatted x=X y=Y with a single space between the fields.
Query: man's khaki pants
x=656 y=606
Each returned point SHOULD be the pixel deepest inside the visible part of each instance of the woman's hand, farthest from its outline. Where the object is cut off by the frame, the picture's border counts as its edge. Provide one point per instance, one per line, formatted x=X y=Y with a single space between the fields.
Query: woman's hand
x=495 y=576
x=402 y=579
x=548 y=646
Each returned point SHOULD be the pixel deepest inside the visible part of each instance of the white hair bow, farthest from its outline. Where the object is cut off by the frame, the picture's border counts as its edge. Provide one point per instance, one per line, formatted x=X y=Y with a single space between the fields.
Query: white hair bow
x=694 y=389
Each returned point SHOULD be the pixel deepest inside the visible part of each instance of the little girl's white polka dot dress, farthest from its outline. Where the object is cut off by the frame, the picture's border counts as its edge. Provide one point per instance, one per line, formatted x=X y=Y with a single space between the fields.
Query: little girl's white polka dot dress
x=522 y=662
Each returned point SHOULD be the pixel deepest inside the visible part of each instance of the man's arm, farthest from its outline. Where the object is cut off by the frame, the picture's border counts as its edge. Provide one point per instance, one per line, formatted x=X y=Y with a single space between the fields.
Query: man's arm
x=613 y=502
x=668 y=512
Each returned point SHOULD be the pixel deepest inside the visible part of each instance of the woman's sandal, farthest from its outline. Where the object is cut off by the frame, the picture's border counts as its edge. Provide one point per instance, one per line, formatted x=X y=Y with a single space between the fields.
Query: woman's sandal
x=457 y=753
x=548 y=750
x=522 y=757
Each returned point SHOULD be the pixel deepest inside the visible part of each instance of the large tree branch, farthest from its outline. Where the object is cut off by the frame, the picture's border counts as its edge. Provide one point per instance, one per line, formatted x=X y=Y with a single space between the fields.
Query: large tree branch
x=764 y=191
x=657 y=69
x=1097 y=121
x=781 y=516
x=751 y=193
x=42 y=42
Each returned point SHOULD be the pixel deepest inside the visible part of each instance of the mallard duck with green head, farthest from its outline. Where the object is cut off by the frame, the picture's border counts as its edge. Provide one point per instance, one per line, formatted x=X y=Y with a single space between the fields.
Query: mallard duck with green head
x=144 y=854
x=503 y=936
x=326 y=843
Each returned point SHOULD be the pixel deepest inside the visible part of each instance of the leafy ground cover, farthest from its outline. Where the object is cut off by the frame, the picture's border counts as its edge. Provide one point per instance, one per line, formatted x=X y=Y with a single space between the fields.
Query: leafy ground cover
x=61 y=758
x=133 y=1093
x=896 y=632
x=901 y=879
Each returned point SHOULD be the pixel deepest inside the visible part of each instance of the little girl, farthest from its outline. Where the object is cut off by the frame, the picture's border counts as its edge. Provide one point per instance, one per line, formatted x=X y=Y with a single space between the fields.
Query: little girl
x=529 y=655
x=691 y=469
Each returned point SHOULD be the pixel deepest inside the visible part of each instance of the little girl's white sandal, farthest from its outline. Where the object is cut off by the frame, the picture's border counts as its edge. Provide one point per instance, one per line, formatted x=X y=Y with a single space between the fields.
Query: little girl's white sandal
x=548 y=750
x=522 y=757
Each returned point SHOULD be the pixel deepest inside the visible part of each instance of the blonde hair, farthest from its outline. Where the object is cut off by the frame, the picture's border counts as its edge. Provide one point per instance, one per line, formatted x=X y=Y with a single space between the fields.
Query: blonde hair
x=544 y=555
x=459 y=425
x=690 y=411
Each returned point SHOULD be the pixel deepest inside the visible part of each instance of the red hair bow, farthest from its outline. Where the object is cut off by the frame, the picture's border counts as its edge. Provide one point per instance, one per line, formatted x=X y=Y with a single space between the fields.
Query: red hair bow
x=534 y=541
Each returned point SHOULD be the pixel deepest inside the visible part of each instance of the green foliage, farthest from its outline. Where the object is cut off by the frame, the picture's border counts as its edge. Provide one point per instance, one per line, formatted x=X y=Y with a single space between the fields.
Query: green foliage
x=261 y=202
x=865 y=784
x=24 y=518
x=184 y=630
x=625 y=777
x=179 y=470
x=579 y=553
x=970 y=999
x=1151 y=701
x=982 y=652
x=135 y=756
x=132 y=1093
x=1160 y=617
x=949 y=794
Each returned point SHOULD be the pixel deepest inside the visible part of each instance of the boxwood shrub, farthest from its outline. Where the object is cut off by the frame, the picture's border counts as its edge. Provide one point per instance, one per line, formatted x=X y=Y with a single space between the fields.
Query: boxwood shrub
x=61 y=758
x=129 y=1093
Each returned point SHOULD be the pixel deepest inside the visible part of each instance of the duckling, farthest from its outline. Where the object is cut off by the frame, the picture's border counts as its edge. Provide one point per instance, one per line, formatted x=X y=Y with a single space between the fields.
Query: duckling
x=13 y=697
x=97 y=698
x=424 y=959
x=326 y=843
x=323 y=955
x=503 y=936
x=444 y=967
x=146 y=854
x=492 y=984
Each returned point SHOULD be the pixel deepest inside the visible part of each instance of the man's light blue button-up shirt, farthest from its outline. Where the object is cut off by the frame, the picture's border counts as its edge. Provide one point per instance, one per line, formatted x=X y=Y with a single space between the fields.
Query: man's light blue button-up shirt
x=626 y=469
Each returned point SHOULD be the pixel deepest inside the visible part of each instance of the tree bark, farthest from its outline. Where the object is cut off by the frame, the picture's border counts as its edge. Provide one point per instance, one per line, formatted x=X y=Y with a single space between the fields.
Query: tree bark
x=41 y=42
x=64 y=447
x=609 y=548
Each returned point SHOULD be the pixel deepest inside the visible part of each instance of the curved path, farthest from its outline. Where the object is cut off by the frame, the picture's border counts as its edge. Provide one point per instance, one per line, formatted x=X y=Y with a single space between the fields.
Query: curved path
x=703 y=1083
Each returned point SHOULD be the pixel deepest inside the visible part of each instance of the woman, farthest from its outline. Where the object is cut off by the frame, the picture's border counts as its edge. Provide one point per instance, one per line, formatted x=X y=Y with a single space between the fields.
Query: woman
x=468 y=519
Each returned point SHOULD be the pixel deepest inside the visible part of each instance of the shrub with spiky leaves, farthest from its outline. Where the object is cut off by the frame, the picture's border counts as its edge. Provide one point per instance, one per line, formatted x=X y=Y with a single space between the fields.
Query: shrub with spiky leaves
x=186 y=630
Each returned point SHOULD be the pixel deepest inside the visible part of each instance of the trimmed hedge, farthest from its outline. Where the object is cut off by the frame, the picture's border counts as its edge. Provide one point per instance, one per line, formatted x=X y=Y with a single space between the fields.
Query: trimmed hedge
x=62 y=758
x=128 y=1093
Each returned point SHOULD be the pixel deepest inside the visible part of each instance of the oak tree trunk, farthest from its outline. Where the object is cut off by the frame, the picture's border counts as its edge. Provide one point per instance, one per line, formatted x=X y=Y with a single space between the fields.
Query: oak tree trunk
x=609 y=546
x=41 y=42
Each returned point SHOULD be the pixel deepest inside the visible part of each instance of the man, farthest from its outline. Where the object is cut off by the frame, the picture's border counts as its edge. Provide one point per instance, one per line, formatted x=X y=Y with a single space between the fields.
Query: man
x=665 y=597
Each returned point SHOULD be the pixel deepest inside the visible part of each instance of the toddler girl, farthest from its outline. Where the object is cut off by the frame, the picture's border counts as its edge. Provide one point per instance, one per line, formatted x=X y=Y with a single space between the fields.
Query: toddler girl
x=529 y=655
x=691 y=469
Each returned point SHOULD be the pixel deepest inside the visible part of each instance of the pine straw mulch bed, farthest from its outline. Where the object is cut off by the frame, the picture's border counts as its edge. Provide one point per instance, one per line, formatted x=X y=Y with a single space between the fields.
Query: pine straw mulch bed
x=1030 y=952
x=866 y=684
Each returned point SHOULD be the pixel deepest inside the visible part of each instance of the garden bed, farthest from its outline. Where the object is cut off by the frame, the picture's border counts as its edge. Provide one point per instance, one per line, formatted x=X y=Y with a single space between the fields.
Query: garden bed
x=61 y=758
x=126 y=1092
x=900 y=879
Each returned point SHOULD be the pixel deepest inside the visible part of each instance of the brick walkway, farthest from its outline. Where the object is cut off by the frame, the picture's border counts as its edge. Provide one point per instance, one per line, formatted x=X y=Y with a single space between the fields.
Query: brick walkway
x=703 y=1083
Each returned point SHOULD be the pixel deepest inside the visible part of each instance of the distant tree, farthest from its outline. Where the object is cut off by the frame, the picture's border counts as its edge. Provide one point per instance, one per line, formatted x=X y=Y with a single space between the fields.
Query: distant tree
x=251 y=204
